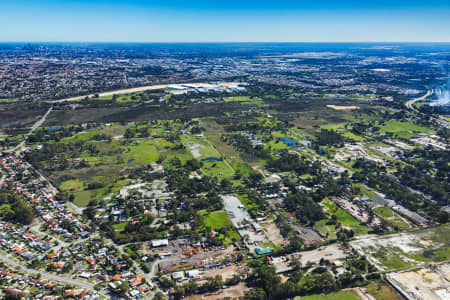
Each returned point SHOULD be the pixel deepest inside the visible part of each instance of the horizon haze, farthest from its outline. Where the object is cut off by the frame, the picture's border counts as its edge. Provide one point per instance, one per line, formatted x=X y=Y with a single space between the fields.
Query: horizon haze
x=235 y=21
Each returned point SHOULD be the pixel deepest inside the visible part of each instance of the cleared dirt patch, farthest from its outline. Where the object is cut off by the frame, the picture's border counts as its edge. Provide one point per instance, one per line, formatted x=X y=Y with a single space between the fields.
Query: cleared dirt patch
x=233 y=292
x=336 y=107
x=273 y=233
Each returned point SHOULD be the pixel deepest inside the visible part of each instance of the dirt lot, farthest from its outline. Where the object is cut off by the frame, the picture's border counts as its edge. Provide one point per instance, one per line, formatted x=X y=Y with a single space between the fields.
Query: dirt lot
x=331 y=253
x=226 y=272
x=273 y=233
x=233 y=292
x=423 y=284
x=336 y=107
x=405 y=250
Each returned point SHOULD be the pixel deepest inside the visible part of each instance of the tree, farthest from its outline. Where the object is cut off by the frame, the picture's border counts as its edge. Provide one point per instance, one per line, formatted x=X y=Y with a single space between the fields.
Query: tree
x=159 y=296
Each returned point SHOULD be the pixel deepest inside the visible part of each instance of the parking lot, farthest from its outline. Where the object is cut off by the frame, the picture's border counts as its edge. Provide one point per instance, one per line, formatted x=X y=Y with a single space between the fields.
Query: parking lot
x=332 y=253
x=242 y=221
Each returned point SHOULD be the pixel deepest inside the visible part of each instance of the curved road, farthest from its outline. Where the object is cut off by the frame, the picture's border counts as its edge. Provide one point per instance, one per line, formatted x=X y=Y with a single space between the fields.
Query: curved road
x=410 y=103
x=63 y=279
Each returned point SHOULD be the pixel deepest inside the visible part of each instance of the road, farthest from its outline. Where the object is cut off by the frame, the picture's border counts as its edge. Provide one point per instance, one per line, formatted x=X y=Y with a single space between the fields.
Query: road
x=118 y=92
x=35 y=126
x=63 y=279
x=2 y=179
x=438 y=119
x=140 y=272
x=410 y=103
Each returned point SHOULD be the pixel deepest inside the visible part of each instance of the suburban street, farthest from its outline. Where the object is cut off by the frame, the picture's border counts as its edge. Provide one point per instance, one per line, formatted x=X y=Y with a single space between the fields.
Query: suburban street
x=63 y=279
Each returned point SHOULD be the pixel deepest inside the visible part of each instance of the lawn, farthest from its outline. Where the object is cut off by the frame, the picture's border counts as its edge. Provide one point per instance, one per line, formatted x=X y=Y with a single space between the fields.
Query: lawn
x=220 y=169
x=328 y=230
x=403 y=129
x=217 y=220
x=382 y=291
x=142 y=152
x=248 y=203
x=276 y=146
x=80 y=137
x=340 y=128
x=383 y=212
x=341 y=295
x=119 y=227
x=344 y=218
x=392 y=218
x=72 y=185
x=111 y=183
x=82 y=198
x=243 y=99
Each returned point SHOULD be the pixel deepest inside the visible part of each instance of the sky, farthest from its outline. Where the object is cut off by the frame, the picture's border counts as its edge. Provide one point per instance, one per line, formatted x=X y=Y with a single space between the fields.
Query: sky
x=225 y=21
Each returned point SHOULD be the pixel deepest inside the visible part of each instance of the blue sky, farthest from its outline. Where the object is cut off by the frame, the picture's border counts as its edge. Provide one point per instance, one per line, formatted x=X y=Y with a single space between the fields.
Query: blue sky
x=224 y=21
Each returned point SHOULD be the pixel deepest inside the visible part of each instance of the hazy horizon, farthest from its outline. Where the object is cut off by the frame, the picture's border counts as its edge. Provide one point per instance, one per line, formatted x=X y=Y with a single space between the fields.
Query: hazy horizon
x=204 y=21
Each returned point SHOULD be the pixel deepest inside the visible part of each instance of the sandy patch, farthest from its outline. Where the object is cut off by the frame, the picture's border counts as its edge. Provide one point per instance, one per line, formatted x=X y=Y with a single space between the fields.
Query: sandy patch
x=273 y=233
x=233 y=292
x=336 y=107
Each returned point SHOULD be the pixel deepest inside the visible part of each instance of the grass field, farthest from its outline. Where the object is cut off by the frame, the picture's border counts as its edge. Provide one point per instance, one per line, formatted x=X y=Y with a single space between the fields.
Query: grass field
x=248 y=203
x=341 y=295
x=115 y=159
x=328 y=230
x=340 y=128
x=383 y=212
x=344 y=218
x=217 y=220
x=72 y=185
x=392 y=218
x=144 y=151
x=83 y=198
x=243 y=99
x=365 y=192
x=119 y=227
x=382 y=291
x=220 y=169
x=403 y=129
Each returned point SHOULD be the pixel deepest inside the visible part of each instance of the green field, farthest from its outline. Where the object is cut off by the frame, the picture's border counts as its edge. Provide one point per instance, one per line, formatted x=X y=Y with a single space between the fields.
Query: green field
x=217 y=220
x=341 y=295
x=220 y=169
x=344 y=218
x=83 y=198
x=119 y=227
x=113 y=160
x=340 y=128
x=392 y=218
x=328 y=230
x=248 y=203
x=382 y=291
x=243 y=99
x=383 y=212
x=75 y=185
x=403 y=129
